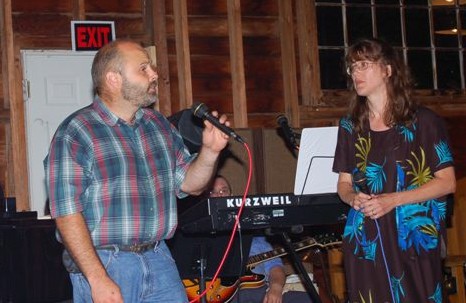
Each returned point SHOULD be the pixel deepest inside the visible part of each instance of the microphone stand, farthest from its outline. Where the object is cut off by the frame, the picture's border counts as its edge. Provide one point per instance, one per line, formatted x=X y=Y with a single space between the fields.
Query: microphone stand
x=202 y=266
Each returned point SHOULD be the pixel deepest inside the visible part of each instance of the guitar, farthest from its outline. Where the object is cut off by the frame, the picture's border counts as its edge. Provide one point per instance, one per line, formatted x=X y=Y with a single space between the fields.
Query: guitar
x=223 y=290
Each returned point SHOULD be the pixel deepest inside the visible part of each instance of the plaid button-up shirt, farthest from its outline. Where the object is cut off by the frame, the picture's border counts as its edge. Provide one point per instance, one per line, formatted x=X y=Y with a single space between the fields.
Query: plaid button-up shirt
x=123 y=178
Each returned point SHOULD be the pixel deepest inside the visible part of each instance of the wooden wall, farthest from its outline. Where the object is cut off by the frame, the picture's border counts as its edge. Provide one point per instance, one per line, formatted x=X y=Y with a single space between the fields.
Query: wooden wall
x=244 y=58
x=210 y=56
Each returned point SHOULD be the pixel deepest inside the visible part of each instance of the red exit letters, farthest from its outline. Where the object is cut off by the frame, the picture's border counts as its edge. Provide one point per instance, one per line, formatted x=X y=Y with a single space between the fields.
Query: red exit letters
x=91 y=35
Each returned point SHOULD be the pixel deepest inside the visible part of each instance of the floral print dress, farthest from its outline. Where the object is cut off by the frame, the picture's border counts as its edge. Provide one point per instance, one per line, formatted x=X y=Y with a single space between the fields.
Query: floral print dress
x=397 y=257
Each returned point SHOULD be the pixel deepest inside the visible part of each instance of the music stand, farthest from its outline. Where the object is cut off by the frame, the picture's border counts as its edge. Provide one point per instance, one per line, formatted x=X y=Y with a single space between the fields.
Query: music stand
x=314 y=173
x=198 y=256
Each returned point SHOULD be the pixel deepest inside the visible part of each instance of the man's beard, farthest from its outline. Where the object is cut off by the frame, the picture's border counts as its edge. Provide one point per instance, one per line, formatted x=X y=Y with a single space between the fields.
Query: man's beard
x=137 y=94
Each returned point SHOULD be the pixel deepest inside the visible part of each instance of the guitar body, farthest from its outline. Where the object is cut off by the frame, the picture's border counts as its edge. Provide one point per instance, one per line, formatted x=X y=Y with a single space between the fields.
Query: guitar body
x=222 y=291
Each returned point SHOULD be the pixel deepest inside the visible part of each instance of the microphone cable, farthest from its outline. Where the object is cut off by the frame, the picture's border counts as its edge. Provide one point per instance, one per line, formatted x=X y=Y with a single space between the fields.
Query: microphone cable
x=235 y=227
x=379 y=238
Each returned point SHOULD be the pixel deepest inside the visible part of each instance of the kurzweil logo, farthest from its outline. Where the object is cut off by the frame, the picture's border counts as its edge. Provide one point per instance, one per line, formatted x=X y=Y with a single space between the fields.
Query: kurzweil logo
x=259 y=201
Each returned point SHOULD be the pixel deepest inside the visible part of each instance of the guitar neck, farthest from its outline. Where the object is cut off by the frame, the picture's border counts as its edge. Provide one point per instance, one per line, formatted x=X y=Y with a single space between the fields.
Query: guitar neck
x=280 y=251
x=257 y=259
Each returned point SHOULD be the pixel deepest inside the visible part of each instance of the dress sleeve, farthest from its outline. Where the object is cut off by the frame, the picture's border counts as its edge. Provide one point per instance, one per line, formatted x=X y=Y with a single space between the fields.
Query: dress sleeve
x=344 y=160
x=434 y=140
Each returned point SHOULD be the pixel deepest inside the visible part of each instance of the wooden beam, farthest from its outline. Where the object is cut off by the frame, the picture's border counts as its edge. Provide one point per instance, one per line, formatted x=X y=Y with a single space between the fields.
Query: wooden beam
x=13 y=90
x=183 y=54
x=308 y=52
x=79 y=10
x=240 y=111
x=290 y=87
x=160 y=40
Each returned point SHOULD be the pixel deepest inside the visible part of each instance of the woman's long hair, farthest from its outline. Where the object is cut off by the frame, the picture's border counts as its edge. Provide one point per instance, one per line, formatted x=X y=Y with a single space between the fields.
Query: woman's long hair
x=401 y=107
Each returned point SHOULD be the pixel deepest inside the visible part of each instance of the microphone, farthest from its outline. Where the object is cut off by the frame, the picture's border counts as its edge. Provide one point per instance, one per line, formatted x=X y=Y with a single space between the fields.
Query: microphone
x=200 y=110
x=287 y=131
x=360 y=180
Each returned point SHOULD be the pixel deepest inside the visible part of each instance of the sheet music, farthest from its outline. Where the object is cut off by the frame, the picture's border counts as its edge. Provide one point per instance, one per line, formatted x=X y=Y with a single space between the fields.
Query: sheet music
x=314 y=173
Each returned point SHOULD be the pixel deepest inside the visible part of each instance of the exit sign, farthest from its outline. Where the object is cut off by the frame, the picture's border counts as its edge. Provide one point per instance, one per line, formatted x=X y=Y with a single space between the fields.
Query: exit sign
x=91 y=35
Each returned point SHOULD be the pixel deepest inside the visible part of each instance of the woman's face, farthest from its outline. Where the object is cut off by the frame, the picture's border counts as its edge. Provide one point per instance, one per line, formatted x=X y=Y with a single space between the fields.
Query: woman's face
x=369 y=77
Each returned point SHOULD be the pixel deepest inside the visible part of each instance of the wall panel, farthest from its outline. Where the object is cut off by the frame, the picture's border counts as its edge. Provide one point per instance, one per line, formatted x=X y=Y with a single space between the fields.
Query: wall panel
x=279 y=163
x=55 y=6
x=235 y=164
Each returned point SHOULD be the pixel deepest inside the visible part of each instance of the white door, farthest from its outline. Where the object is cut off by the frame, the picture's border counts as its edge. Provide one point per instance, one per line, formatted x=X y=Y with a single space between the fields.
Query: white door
x=56 y=83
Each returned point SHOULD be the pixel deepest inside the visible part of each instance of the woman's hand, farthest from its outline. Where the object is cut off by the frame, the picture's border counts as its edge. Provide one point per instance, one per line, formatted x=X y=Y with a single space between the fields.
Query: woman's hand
x=379 y=205
x=359 y=201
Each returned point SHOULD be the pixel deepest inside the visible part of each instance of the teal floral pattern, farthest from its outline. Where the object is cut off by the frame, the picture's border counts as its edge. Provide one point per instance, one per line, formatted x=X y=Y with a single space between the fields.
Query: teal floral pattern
x=443 y=152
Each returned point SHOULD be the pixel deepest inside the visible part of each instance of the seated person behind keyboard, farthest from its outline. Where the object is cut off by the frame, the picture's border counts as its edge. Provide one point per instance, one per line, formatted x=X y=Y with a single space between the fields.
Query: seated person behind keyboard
x=273 y=270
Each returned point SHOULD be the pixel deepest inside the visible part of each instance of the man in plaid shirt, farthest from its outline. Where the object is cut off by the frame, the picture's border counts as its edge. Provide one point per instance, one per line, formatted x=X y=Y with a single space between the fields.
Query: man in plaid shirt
x=113 y=172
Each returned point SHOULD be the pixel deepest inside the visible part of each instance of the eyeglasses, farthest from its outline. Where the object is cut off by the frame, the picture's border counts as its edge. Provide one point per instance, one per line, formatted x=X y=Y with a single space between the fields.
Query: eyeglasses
x=359 y=66
x=220 y=193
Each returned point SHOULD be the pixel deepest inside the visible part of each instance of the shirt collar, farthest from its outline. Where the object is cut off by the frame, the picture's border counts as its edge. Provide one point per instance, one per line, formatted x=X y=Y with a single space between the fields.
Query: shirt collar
x=110 y=118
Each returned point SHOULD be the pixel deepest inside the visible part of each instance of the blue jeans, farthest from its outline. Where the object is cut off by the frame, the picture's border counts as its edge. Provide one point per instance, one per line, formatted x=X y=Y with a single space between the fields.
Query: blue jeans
x=151 y=276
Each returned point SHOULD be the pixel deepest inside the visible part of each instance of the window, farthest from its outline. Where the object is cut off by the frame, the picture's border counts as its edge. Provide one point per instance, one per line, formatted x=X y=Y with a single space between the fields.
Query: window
x=428 y=33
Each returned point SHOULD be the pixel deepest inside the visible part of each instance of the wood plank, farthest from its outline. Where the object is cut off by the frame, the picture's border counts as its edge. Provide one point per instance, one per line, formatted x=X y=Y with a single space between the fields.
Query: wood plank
x=125 y=25
x=10 y=164
x=290 y=87
x=79 y=11
x=115 y=6
x=12 y=78
x=217 y=26
x=306 y=21
x=152 y=52
x=183 y=53
x=223 y=83
x=160 y=40
x=219 y=7
x=55 y=6
x=64 y=42
x=42 y=24
x=50 y=25
x=239 y=101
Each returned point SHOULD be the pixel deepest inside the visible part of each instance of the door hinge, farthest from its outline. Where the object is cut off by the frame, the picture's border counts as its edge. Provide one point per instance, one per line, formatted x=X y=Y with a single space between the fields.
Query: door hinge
x=26 y=90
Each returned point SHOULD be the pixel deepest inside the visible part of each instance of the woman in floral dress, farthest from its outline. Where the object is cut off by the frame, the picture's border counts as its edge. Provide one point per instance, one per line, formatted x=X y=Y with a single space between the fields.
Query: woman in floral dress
x=395 y=227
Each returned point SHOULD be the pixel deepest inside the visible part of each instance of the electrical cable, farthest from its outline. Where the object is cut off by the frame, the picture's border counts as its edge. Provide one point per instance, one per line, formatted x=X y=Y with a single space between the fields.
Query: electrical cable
x=379 y=238
x=235 y=227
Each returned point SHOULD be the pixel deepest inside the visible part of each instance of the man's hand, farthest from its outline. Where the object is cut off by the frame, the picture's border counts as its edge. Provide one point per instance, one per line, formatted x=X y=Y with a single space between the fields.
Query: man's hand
x=274 y=294
x=104 y=290
x=277 y=280
x=213 y=138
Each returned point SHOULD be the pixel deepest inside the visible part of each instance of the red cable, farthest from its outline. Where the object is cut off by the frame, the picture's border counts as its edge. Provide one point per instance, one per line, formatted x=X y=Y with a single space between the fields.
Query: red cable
x=235 y=227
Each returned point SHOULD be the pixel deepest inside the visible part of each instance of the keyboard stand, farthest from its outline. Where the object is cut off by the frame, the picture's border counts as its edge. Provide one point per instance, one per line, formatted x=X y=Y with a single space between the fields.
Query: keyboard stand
x=202 y=267
x=300 y=268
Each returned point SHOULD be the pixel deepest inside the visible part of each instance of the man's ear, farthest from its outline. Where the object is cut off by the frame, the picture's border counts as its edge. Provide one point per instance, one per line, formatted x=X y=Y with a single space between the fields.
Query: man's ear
x=113 y=79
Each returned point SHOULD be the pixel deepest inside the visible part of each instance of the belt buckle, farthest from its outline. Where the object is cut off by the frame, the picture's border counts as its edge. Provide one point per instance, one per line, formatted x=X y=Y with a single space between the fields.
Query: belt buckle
x=136 y=248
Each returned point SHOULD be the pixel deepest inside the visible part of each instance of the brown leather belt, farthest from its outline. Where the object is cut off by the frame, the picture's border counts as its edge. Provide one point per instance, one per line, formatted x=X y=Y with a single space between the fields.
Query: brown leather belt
x=135 y=248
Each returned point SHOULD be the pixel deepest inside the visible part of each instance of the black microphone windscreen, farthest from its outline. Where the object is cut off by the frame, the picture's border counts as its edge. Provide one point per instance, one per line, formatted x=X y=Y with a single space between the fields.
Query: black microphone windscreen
x=199 y=110
x=360 y=180
x=287 y=132
x=281 y=119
